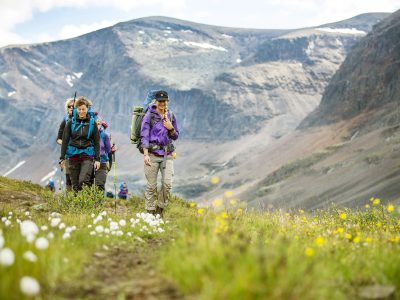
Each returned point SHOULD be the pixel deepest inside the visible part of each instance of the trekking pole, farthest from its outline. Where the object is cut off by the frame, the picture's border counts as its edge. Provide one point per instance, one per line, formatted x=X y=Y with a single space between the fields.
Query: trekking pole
x=94 y=181
x=115 y=181
x=163 y=166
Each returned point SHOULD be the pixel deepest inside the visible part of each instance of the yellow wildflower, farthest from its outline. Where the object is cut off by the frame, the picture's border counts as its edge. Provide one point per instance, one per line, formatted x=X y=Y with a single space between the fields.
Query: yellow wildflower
x=192 y=204
x=376 y=201
x=200 y=211
x=343 y=216
x=301 y=211
x=239 y=210
x=228 y=194
x=367 y=206
x=390 y=208
x=368 y=240
x=357 y=239
x=214 y=179
x=309 y=252
x=224 y=215
x=217 y=202
x=320 y=241
x=233 y=202
x=348 y=236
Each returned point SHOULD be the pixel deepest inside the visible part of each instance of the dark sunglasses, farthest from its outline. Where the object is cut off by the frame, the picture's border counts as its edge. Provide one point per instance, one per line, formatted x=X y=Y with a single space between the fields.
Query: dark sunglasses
x=70 y=106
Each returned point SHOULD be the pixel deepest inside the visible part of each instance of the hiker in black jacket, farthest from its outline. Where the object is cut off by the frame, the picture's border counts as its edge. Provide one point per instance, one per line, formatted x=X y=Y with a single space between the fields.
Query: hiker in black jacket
x=81 y=145
x=69 y=108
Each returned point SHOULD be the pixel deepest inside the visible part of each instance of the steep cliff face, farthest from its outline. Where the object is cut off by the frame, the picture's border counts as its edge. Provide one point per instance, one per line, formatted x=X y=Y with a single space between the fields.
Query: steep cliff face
x=367 y=81
x=224 y=83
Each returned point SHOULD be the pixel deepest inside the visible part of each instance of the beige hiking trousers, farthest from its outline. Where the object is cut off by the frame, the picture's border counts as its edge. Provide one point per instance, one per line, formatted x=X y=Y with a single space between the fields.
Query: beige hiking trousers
x=151 y=172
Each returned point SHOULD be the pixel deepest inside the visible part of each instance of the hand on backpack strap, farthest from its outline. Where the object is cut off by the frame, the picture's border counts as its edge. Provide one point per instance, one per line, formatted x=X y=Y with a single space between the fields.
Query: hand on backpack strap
x=167 y=123
x=97 y=165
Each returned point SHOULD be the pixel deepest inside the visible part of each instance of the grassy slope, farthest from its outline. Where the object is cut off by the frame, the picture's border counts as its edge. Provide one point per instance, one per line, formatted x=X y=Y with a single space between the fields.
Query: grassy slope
x=221 y=253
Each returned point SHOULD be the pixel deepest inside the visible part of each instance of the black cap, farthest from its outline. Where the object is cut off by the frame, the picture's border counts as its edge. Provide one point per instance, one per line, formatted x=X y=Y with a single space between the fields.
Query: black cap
x=161 y=95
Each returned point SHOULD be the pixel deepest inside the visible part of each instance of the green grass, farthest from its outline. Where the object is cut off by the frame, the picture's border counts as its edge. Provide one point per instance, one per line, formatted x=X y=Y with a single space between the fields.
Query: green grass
x=221 y=252
x=277 y=255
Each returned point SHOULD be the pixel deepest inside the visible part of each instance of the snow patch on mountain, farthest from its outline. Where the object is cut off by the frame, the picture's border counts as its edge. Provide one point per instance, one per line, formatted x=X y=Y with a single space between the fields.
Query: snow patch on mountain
x=205 y=46
x=341 y=30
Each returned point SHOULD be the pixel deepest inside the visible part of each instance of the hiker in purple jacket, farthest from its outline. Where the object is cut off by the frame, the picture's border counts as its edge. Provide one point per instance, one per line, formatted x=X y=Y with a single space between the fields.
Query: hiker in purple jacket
x=105 y=150
x=123 y=191
x=159 y=129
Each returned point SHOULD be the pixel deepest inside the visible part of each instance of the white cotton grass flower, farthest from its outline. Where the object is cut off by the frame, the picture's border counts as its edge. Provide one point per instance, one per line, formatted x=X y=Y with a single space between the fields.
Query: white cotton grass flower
x=19 y=221
x=92 y=232
x=92 y=216
x=10 y=213
x=55 y=215
x=28 y=228
x=99 y=229
x=44 y=228
x=61 y=226
x=29 y=286
x=6 y=257
x=106 y=230
x=3 y=219
x=1 y=241
x=122 y=222
x=66 y=235
x=50 y=235
x=27 y=213
x=30 y=256
x=30 y=238
x=70 y=229
x=7 y=223
x=119 y=233
x=42 y=243
x=54 y=222
x=104 y=213
x=114 y=226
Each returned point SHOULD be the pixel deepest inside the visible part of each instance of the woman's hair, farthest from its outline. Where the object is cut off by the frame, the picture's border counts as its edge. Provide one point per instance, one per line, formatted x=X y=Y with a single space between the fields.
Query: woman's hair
x=70 y=101
x=83 y=100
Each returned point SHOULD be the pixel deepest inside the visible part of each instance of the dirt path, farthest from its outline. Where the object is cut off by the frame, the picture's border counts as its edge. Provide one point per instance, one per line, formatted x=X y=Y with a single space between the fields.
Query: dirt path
x=121 y=273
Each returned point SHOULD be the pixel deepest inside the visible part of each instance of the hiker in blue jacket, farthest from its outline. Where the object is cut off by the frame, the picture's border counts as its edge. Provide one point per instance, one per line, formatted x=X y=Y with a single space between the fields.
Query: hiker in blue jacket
x=81 y=145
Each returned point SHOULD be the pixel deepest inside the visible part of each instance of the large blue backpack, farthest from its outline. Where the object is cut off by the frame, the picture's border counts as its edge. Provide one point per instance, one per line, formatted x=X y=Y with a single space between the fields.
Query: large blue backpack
x=75 y=126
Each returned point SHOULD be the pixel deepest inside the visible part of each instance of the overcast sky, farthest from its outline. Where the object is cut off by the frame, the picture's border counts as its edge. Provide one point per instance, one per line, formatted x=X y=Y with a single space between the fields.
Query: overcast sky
x=30 y=21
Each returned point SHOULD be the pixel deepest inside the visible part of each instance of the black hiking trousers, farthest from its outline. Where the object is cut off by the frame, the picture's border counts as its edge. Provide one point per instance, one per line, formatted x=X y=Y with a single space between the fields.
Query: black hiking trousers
x=80 y=173
x=101 y=176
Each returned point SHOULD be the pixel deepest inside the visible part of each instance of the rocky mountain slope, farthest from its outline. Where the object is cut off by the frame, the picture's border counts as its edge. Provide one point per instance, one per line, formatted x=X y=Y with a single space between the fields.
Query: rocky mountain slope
x=348 y=148
x=235 y=91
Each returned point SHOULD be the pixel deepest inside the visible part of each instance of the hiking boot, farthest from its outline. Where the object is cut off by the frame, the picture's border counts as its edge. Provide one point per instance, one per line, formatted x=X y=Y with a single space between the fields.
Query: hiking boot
x=160 y=211
x=153 y=212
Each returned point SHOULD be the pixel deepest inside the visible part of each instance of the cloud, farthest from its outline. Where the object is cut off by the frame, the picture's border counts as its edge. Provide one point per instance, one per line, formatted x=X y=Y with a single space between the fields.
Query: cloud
x=13 y=12
x=233 y=13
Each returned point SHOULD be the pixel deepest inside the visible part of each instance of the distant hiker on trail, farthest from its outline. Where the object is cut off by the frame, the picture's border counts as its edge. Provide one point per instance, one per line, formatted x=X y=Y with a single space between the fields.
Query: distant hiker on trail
x=158 y=130
x=69 y=108
x=123 y=191
x=105 y=150
x=80 y=145
x=51 y=185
